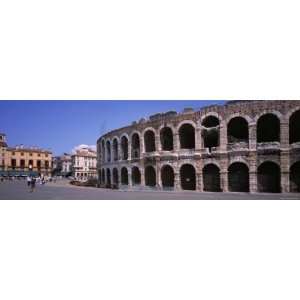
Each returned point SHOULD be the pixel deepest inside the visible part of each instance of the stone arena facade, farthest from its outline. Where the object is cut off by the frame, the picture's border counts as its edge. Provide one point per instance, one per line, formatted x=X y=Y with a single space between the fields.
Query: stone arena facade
x=242 y=146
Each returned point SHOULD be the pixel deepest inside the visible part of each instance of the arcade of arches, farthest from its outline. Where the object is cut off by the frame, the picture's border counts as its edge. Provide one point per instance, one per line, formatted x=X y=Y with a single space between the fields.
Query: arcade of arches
x=258 y=172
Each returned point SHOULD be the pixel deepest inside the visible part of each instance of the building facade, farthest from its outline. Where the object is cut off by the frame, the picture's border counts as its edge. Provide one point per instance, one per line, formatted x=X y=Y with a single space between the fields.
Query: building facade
x=62 y=165
x=22 y=160
x=242 y=146
x=84 y=164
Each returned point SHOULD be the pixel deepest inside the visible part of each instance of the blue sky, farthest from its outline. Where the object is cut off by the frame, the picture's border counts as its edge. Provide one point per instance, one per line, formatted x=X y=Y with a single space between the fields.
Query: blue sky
x=61 y=125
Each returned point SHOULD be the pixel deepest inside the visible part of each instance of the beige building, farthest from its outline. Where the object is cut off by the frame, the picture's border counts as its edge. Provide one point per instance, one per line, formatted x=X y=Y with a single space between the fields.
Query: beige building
x=84 y=164
x=22 y=160
x=62 y=165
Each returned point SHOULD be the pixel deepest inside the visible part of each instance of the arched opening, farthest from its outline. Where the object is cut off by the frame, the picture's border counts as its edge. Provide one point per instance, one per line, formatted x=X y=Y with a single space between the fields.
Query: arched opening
x=136 y=176
x=237 y=131
x=188 y=177
x=150 y=176
x=103 y=176
x=135 y=144
x=115 y=150
x=124 y=147
x=294 y=126
x=166 y=139
x=149 y=138
x=211 y=132
x=100 y=176
x=238 y=177
x=268 y=129
x=295 y=178
x=268 y=178
x=103 y=151
x=167 y=176
x=124 y=176
x=108 y=179
x=187 y=136
x=115 y=177
x=211 y=178
x=108 y=151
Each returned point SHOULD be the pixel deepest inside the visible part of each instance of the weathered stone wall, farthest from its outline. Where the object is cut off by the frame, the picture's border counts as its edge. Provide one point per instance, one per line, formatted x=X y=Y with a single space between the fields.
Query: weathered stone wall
x=248 y=152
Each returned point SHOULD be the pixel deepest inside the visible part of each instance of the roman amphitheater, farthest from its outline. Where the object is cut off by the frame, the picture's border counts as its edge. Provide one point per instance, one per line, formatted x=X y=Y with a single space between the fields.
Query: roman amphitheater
x=242 y=146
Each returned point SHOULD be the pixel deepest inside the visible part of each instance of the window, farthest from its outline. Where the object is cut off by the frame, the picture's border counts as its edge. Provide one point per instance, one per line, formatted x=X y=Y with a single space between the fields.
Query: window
x=39 y=154
x=13 y=153
x=22 y=153
x=30 y=154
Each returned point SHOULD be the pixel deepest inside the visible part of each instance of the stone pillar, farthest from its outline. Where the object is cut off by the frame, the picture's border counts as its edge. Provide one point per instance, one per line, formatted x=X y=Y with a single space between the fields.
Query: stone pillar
x=199 y=184
x=284 y=135
x=253 y=188
x=223 y=136
x=158 y=177
x=176 y=141
x=129 y=149
x=252 y=136
x=177 y=185
x=119 y=151
x=285 y=171
x=142 y=177
x=129 y=179
x=142 y=146
x=157 y=142
x=198 y=139
x=224 y=181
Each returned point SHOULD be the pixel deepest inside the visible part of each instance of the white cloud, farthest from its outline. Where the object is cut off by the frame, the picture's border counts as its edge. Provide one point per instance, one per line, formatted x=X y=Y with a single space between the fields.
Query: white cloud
x=82 y=146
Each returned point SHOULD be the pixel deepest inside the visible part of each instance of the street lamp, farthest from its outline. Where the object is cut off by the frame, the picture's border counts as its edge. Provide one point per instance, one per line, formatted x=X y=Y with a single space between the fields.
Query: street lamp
x=30 y=169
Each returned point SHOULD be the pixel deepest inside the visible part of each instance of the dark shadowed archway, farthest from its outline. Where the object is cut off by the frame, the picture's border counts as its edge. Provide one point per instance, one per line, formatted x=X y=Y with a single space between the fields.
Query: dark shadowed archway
x=108 y=179
x=103 y=150
x=211 y=132
x=188 y=177
x=124 y=147
x=187 y=136
x=295 y=178
x=238 y=177
x=294 y=126
x=167 y=176
x=166 y=139
x=108 y=151
x=103 y=176
x=268 y=178
x=149 y=138
x=136 y=176
x=237 y=130
x=150 y=176
x=135 y=145
x=211 y=178
x=124 y=176
x=268 y=129
x=115 y=177
x=115 y=150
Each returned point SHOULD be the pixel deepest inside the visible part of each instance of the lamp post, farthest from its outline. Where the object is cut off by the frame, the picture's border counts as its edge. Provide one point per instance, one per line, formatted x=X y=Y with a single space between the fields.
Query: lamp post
x=30 y=169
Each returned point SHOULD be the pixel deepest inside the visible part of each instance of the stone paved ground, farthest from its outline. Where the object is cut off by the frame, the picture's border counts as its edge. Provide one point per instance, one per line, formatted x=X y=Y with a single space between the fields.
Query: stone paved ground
x=62 y=190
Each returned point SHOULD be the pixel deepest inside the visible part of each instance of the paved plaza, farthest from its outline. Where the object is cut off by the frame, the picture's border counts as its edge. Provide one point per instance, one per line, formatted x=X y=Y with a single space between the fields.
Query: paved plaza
x=63 y=190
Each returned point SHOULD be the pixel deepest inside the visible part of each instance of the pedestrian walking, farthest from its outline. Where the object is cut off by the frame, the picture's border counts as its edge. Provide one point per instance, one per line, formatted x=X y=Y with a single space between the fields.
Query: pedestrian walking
x=32 y=184
x=28 y=180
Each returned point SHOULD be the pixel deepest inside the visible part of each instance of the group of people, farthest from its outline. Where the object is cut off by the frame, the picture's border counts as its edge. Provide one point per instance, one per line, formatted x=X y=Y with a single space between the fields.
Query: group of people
x=31 y=182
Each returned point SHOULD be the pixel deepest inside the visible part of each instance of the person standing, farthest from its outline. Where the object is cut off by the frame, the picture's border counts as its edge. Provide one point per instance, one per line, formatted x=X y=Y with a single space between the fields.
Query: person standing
x=28 y=180
x=32 y=184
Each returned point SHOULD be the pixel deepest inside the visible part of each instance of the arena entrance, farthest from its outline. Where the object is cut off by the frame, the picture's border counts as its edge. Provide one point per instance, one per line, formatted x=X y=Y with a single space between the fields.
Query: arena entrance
x=294 y=126
x=115 y=177
x=124 y=147
x=167 y=176
x=166 y=139
x=237 y=130
x=124 y=176
x=268 y=129
x=211 y=132
x=188 y=177
x=211 y=178
x=268 y=178
x=149 y=138
x=295 y=178
x=150 y=176
x=135 y=144
x=136 y=176
x=108 y=179
x=238 y=177
x=187 y=136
